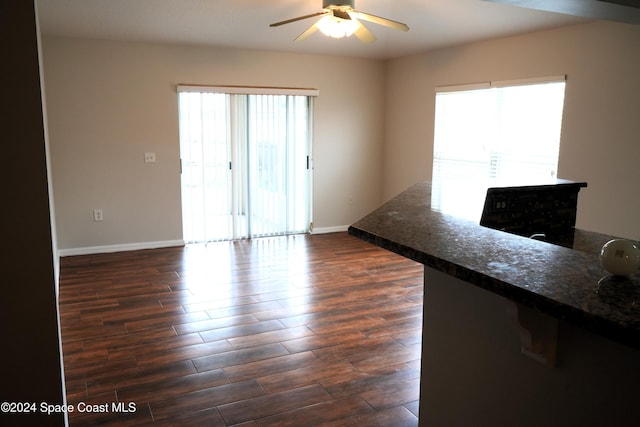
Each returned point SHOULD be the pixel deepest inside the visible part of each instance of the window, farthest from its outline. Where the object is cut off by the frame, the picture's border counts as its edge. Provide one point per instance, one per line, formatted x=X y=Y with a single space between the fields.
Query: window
x=245 y=156
x=487 y=134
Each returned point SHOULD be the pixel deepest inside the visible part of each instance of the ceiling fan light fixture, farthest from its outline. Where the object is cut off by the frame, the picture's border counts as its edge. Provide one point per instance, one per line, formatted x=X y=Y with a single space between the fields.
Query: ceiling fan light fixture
x=337 y=28
x=342 y=20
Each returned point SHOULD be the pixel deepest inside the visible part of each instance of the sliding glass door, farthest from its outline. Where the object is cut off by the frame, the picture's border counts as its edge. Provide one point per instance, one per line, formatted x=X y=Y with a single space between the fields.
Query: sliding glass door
x=245 y=164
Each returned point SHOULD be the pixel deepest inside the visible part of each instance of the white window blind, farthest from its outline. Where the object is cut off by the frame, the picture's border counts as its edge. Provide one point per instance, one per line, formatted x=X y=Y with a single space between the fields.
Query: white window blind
x=494 y=132
x=245 y=163
x=248 y=90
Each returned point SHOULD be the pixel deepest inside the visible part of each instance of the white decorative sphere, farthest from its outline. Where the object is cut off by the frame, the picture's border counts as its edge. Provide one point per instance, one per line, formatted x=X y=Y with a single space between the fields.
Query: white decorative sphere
x=620 y=257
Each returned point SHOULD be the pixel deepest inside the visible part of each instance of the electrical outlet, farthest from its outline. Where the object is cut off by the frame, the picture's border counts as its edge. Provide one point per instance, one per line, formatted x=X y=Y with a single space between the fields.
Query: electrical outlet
x=149 y=157
x=97 y=215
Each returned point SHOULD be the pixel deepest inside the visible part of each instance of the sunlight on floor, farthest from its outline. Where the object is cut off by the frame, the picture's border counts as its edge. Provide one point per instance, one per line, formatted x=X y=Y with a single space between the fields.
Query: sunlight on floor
x=211 y=269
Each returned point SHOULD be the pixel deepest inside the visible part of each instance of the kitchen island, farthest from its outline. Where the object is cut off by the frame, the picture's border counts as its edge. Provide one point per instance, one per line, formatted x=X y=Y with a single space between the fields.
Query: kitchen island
x=516 y=331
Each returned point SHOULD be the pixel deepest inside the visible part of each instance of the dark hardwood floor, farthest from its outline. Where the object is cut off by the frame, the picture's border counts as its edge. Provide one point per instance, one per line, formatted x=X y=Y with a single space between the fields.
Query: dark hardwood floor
x=287 y=331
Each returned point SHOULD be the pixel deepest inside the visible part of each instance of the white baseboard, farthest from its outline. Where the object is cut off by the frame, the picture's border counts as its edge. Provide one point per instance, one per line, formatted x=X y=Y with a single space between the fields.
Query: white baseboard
x=324 y=230
x=89 y=250
x=119 y=248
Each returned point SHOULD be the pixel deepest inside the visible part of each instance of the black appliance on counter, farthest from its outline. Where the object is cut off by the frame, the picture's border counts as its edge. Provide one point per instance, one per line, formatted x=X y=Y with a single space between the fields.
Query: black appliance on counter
x=544 y=212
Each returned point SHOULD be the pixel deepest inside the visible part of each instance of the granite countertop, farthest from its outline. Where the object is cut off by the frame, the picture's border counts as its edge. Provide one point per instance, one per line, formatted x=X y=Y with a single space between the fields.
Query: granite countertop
x=569 y=284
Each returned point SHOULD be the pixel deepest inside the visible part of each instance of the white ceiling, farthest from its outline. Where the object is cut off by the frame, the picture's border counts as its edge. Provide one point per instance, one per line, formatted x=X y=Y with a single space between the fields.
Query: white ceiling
x=245 y=23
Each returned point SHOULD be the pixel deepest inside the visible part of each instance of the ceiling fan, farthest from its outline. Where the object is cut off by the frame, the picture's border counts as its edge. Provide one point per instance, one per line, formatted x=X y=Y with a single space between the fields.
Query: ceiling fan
x=342 y=20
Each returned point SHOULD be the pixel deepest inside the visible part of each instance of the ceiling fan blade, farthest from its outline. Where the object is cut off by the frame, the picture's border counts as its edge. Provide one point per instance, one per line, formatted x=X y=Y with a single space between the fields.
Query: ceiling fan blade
x=363 y=33
x=380 y=21
x=343 y=14
x=312 y=29
x=300 y=18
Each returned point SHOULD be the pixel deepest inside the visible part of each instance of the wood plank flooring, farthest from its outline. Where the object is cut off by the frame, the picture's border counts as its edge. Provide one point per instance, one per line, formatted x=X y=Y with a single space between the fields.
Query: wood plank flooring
x=287 y=331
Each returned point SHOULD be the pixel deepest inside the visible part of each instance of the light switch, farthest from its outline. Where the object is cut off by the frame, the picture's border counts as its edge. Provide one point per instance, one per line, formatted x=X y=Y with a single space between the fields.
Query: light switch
x=149 y=157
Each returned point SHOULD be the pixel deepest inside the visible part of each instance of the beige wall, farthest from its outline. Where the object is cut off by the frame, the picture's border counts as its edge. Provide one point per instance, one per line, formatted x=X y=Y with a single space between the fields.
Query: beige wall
x=601 y=129
x=474 y=371
x=109 y=102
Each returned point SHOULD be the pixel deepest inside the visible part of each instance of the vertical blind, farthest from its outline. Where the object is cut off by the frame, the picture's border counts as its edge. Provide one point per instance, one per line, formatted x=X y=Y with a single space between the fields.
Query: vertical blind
x=490 y=133
x=206 y=177
x=245 y=161
x=279 y=170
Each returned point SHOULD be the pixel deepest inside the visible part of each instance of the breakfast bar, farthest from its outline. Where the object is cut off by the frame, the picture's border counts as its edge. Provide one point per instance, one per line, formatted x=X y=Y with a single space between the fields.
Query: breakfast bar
x=516 y=331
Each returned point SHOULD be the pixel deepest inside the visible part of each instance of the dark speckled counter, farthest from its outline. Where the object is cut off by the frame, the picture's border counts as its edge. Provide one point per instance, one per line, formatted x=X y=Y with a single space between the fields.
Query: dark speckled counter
x=555 y=280
x=515 y=331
